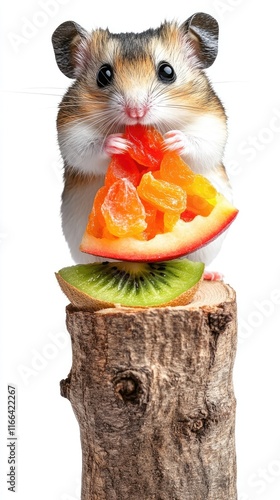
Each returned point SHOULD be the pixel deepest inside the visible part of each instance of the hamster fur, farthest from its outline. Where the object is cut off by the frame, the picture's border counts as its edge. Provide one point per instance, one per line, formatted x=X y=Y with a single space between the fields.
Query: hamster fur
x=156 y=78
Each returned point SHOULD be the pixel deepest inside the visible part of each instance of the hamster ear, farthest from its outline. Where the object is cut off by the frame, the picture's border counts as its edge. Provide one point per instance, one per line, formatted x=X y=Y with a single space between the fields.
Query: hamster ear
x=70 y=44
x=202 y=32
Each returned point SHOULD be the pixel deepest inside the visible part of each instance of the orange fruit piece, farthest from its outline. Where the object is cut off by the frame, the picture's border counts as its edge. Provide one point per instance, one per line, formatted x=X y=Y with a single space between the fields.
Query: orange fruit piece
x=96 y=221
x=123 y=210
x=173 y=169
x=122 y=167
x=154 y=220
x=199 y=206
x=162 y=195
x=187 y=216
x=201 y=187
x=151 y=213
x=146 y=145
x=157 y=174
x=170 y=219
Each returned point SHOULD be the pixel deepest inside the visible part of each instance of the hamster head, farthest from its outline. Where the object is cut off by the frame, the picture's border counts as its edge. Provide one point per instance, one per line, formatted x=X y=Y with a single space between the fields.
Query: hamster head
x=153 y=78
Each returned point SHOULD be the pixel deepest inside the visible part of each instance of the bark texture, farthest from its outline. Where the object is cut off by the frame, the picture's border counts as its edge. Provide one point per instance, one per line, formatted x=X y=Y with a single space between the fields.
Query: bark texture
x=152 y=391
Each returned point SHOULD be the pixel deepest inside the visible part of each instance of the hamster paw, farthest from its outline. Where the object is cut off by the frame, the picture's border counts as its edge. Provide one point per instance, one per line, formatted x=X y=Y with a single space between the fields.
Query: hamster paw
x=213 y=276
x=115 y=144
x=175 y=140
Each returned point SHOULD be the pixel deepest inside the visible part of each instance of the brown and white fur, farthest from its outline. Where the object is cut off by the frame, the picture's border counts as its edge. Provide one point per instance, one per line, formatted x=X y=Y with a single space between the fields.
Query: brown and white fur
x=91 y=119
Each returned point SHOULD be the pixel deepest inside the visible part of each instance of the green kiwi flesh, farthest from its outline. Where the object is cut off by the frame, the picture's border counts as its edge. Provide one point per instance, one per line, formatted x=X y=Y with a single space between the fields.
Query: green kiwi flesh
x=132 y=284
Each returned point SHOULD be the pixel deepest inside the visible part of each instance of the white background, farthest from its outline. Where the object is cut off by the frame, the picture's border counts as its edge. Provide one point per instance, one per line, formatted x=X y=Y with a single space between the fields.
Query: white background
x=35 y=348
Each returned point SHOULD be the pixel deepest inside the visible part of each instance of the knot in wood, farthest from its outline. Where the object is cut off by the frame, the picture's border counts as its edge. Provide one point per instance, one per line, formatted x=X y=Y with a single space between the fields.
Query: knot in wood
x=130 y=387
x=190 y=427
x=218 y=322
x=197 y=425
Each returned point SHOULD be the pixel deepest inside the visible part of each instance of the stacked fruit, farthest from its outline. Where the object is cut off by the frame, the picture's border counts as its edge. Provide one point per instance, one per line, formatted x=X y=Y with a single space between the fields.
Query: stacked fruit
x=151 y=209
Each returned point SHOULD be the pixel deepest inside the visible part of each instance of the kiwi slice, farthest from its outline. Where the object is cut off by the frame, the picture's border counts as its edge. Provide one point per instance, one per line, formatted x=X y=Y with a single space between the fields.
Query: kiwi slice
x=133 y=284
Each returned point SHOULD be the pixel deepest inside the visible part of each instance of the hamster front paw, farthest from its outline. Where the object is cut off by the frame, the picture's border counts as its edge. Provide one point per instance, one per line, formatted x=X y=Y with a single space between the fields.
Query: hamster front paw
x=115 y=144
x=175 y=140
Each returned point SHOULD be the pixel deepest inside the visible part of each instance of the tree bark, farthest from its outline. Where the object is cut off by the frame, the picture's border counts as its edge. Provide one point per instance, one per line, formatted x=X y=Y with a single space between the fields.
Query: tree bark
x=153 y=395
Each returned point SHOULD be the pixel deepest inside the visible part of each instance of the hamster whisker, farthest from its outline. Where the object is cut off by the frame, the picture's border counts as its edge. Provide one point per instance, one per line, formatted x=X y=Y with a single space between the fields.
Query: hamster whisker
x=230 y=81
x=103 y=121
x=162 y=97
x=29 y=92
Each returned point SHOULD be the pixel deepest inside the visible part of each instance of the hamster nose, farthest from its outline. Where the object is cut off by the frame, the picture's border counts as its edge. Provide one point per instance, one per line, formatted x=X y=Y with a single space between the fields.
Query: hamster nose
x=136 y=111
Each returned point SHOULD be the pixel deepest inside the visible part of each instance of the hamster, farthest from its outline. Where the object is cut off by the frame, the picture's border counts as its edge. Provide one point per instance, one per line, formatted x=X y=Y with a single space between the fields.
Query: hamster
x=156 y=77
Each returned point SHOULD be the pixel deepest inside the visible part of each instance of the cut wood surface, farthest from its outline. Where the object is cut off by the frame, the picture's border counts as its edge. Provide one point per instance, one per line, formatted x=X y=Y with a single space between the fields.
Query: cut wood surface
x=152 y=392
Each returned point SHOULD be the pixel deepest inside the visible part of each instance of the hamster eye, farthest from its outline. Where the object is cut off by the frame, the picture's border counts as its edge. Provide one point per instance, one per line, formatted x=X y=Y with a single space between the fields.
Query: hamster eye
x=104 y=75
x=166 y=73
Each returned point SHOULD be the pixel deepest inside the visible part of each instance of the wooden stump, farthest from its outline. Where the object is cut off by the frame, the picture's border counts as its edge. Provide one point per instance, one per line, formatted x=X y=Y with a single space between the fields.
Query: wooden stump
x=152 y=391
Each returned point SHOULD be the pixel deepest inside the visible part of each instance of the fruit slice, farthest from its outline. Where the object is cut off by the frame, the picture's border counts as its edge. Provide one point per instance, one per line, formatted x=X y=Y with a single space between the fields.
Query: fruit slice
x=132 y=284
x=156 y=207
x=185 y=237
